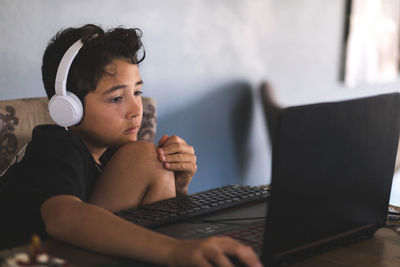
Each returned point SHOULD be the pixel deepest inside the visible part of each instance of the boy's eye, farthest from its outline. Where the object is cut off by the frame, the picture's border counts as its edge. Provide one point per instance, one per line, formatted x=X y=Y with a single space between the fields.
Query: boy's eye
x=116 y=99
x=137 y=93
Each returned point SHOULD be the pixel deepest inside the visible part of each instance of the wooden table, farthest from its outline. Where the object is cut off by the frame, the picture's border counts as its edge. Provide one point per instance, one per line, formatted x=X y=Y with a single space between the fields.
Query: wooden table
x=382 y=250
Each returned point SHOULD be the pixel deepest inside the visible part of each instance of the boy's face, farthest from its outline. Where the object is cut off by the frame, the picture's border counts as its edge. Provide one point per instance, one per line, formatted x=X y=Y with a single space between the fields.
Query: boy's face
x=113 y=112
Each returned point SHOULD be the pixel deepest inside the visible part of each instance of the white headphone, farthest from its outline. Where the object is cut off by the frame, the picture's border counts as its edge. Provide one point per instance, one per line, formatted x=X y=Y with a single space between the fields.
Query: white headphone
x=65 y=108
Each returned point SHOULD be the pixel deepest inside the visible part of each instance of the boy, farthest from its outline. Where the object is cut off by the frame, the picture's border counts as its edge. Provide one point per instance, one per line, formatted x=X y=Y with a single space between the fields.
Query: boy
x=72 y=178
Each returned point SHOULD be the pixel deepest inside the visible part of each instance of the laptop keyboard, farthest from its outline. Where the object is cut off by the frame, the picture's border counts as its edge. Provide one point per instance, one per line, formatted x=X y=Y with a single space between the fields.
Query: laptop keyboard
x=250 y=235
x=185 y=207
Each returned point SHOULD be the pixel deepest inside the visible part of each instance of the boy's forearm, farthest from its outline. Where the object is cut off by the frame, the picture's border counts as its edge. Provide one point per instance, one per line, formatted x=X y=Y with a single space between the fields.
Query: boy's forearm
x=94 y=228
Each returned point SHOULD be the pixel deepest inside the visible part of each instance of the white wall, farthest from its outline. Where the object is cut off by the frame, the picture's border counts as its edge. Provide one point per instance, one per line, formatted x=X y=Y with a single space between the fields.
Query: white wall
x=205 y=60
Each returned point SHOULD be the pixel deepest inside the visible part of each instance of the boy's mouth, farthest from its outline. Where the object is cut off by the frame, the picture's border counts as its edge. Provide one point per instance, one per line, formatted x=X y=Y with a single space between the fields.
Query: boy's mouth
x=132 y=130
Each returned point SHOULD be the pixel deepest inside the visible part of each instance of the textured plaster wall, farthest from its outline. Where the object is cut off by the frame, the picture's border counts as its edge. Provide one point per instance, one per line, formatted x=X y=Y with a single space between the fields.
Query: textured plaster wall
x=205 y=61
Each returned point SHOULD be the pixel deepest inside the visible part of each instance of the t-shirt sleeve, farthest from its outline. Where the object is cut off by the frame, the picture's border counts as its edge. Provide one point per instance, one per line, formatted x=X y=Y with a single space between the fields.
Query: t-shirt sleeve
x=58 y=168
x=56 y=162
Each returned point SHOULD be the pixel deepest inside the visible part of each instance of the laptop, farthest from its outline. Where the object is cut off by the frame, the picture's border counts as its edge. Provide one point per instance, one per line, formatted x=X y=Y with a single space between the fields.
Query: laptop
x=332 y=169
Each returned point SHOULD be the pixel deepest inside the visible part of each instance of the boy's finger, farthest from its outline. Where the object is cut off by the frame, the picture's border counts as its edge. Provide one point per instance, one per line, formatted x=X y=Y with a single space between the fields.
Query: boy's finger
x=174 y=139
x=163 y=139
x=176 y=148
x=185 y=167
x=180 y=157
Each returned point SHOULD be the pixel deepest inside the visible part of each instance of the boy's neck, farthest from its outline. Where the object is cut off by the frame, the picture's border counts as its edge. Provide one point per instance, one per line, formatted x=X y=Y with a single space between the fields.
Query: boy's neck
x=96 y=153
x=94 y=150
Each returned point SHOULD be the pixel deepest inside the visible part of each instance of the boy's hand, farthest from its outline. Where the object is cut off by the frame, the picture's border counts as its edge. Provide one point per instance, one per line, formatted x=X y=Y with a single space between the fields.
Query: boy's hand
x=212 y=251
x=179 y=157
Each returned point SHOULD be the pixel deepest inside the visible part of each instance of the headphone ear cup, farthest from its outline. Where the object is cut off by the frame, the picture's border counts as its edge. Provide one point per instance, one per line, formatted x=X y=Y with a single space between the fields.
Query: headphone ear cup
x=66 y=110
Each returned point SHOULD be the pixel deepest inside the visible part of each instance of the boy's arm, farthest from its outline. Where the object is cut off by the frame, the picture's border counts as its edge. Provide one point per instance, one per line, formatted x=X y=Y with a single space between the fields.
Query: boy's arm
x=68 y=219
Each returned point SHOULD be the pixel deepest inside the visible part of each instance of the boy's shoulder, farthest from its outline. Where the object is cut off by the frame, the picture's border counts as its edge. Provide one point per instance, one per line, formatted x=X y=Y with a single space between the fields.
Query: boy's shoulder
x=50 y=131
x=53 y=149
x=52 y=141
x=49 y=135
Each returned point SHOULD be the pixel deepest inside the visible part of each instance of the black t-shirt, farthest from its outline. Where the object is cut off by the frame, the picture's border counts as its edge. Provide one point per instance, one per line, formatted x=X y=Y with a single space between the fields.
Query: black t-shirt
x=56 y=162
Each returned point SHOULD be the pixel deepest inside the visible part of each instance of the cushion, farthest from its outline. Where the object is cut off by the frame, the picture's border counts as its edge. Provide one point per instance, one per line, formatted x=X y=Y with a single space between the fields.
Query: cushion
x=19 y=116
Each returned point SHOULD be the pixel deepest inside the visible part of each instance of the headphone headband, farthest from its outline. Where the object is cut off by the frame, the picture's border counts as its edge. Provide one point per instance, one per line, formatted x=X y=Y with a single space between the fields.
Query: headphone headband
x=63 y=68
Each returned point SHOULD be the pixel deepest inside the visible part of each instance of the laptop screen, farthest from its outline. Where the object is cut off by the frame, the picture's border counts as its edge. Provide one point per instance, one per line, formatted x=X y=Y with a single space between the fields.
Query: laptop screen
x=332 y=170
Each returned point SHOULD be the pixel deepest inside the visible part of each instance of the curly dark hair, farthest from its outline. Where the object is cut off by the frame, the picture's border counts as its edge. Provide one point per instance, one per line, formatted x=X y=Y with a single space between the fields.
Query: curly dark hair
x=99 y=50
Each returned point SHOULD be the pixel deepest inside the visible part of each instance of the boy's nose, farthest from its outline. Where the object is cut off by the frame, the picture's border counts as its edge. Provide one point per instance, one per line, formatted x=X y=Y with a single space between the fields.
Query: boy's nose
x=133 y=110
